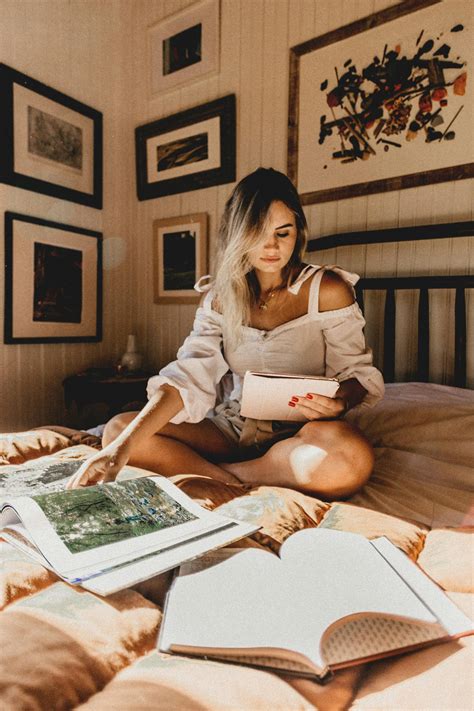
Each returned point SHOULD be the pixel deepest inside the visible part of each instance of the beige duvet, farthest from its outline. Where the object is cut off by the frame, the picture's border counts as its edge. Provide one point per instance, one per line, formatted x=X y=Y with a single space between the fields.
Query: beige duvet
x=63 y=648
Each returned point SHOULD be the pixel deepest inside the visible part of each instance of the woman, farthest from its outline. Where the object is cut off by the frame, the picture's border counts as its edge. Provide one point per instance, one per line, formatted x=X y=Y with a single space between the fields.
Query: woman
x=266 y=311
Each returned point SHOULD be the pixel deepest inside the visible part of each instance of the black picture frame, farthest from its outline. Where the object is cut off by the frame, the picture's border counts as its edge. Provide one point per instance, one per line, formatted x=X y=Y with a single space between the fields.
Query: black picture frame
x=80 y=250
x=215 y=142
x=74 y=172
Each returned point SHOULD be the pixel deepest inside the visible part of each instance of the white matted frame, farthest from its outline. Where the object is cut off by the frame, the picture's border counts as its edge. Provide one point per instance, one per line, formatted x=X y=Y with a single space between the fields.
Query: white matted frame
x=184 y=47
x=179 y=257
x=383 y=103
x=193 y=149
x=50 y=142
x=53 y=282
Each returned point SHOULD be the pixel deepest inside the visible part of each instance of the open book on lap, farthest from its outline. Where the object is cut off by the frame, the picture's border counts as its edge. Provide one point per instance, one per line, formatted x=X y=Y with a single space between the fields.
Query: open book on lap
x=332 y=599
x=110 y=536
x=265 y=396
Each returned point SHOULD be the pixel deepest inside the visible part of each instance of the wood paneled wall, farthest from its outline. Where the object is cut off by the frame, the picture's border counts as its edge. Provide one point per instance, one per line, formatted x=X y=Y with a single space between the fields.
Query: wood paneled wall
x=255 y=38
x=81 y=48
x=96 y=50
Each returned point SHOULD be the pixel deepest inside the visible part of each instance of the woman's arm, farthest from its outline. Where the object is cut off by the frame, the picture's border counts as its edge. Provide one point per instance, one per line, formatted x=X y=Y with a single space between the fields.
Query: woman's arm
x=106 y=464
x=336 y=294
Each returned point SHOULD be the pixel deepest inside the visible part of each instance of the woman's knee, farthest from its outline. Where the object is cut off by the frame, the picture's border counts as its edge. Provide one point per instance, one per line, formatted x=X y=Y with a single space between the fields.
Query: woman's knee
x=344 y=460
x=116 y=425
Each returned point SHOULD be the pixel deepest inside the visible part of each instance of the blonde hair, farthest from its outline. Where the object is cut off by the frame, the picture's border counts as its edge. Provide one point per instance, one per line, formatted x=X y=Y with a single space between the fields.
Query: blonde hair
x=236 y=287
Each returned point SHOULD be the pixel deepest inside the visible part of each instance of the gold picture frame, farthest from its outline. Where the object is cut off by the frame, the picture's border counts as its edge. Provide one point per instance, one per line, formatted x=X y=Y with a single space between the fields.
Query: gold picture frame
x=179 y=257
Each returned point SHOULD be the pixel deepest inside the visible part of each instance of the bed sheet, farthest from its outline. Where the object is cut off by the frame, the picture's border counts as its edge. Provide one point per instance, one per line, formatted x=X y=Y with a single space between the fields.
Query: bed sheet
x=66 y=648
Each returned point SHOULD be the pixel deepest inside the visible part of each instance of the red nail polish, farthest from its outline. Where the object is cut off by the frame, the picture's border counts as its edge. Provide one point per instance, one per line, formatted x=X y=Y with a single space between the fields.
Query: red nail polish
x=309 y=396
x=291 y=404
x=294 y=399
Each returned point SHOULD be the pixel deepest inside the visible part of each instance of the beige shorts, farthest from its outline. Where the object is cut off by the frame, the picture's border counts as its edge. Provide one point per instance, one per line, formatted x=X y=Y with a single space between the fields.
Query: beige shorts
x=251 y=436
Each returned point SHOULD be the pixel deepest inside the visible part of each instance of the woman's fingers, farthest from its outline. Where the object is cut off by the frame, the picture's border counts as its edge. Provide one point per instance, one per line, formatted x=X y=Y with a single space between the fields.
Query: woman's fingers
x=93 y=472
x=317 y=407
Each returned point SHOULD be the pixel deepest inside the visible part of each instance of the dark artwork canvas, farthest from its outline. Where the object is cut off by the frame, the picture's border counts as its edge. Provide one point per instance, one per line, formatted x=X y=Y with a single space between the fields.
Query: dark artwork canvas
x=179 y=260
x=57 y=294
x=54 y=139
x=187 y=150
x=182 y=50
x=395 y=99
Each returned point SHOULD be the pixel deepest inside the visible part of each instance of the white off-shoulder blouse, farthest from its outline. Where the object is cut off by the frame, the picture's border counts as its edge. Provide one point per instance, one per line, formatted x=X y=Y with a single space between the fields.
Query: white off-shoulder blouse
x=329 y=343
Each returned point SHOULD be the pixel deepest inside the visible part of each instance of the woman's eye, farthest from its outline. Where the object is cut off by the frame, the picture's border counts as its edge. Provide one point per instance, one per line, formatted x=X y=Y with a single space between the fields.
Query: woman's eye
x=282 y=234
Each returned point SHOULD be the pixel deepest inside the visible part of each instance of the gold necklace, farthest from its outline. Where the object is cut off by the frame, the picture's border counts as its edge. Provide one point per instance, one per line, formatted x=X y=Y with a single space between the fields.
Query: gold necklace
x=263 y=304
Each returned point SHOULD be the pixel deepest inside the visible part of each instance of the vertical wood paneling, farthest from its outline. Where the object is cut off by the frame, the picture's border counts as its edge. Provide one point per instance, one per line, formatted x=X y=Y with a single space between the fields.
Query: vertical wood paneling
x=101 y=46
x=82 y=49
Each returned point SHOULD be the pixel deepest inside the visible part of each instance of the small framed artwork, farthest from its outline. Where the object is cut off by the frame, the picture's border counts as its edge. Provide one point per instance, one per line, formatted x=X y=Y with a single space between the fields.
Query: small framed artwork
x=53 y=282
x=383 y=103
x=184 y=47
x=50 y=142
x=179 y=257
x=186 y=151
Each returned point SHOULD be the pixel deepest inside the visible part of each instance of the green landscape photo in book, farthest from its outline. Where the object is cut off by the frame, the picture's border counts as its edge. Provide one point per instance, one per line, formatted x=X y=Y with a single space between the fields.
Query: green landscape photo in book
x=88 y=518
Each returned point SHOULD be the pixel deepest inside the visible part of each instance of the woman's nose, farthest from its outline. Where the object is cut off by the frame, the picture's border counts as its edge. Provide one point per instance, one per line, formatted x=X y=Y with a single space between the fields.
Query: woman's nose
x=271 y=242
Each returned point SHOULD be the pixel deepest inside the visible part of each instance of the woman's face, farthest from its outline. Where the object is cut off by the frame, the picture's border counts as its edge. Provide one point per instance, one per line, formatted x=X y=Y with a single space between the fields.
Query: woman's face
x=274 y=249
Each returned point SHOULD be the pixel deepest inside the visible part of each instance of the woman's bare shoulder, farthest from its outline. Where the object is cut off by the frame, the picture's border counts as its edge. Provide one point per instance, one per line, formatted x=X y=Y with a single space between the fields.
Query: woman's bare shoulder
x=334 y=292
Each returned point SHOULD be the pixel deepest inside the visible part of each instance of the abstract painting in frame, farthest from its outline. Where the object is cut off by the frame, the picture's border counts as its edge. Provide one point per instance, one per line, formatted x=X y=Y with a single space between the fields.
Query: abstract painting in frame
x=384 y=103
x=53 y=282
x=184 y=47
x=50 y=142
x=179 y=257
x=186 y=151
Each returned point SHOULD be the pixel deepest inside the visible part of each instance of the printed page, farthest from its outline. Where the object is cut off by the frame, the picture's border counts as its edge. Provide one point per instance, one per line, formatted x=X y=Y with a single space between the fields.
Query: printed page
x=38 y=476
x=85 y=530
x=265 y=396
x=254 y=599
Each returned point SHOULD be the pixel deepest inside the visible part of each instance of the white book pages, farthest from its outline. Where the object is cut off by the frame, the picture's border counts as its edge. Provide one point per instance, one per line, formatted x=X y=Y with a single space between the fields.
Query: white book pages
x=265 y=396
x=252 y=599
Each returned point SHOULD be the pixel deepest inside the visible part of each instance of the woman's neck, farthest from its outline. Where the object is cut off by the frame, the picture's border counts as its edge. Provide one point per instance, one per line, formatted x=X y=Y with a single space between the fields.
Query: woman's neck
x=267 y=282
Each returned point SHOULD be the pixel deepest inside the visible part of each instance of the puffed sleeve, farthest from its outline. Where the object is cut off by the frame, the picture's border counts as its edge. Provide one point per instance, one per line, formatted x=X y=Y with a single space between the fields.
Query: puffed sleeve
x=347 y=355
x=199 y=367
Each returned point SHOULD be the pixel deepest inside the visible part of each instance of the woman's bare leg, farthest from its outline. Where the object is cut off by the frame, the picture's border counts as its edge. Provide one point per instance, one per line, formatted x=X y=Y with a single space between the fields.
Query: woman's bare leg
x=179 y=449
x=330 y=459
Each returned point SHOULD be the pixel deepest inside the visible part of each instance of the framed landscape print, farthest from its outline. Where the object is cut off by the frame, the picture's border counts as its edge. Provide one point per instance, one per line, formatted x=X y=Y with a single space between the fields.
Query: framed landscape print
x=384 y=103
x=179 y=258
x=184 y=47
x=186 y=151
x=53 y=282
x=50 y=143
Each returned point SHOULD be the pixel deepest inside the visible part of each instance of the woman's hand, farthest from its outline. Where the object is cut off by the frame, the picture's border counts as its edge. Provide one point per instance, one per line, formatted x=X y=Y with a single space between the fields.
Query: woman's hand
x=101 y=467
x=319 y=407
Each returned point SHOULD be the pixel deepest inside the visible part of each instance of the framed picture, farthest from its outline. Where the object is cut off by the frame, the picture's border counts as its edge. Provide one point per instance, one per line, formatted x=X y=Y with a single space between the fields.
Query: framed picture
x=187 y=151
x=180 y=258
x=184 y=47
x=383 y=103
x=53 y=282
x=51 y=143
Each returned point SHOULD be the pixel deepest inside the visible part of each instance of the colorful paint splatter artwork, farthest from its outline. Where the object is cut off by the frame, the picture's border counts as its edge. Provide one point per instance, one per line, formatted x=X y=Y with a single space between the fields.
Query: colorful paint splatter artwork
x=395 y=99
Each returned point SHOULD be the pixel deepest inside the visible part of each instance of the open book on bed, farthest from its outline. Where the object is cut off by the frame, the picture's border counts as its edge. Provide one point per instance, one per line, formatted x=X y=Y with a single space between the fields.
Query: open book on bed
x=110 y=536
x=332 y=599
x=265 y=396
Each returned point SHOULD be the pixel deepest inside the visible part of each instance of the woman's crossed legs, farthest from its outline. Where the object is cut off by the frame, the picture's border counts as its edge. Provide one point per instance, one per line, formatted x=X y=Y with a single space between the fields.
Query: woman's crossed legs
x=327 y=458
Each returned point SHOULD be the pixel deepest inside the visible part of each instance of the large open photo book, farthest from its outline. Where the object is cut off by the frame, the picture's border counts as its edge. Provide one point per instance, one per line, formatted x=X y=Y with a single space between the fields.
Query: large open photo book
x=332 y=599
x=109 y=536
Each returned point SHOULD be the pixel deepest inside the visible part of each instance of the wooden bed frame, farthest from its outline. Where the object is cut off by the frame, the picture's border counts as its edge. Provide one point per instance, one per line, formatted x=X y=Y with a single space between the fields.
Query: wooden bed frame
x=422 y=284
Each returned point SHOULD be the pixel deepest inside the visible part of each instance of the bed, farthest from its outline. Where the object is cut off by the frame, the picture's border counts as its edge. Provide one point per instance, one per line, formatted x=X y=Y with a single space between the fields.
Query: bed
x=64 y=648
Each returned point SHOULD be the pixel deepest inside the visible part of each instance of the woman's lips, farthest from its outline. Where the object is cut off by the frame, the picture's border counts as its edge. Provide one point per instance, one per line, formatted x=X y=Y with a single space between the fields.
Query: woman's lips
x=270 y=260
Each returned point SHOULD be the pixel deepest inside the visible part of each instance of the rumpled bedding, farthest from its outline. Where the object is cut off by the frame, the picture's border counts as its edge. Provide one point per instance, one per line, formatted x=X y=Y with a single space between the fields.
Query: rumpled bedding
x=65 y=648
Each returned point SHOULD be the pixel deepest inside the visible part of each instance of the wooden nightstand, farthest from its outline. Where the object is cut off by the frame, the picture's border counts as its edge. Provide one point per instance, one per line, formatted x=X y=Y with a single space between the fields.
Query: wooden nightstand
x=95 y=395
